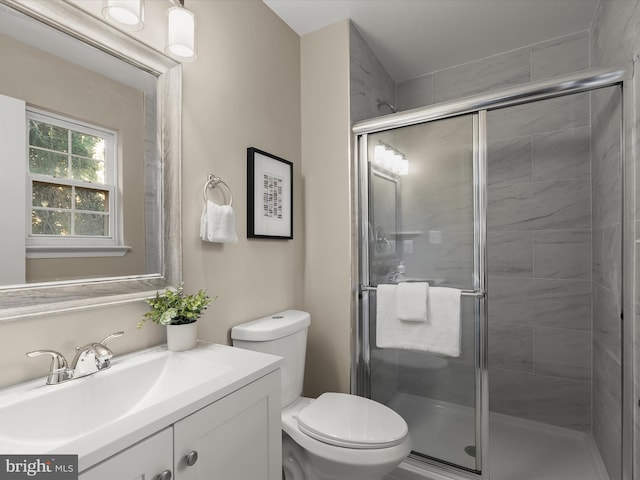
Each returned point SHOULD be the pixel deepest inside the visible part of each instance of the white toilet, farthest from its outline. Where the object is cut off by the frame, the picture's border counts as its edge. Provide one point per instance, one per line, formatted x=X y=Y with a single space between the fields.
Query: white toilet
x=336 y=436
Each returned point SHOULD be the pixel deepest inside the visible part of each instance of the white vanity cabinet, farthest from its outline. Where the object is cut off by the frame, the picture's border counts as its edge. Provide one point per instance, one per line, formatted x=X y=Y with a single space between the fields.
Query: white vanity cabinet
x=237 y=437
x=146 y=460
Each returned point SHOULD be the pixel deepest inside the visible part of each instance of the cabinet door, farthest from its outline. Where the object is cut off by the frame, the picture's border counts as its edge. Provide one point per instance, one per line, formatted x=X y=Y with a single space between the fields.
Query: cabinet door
x=144 y=461
x=237 y=438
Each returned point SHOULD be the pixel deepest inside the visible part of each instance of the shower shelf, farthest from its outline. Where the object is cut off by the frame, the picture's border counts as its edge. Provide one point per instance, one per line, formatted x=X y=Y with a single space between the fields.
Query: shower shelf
x=408 y=233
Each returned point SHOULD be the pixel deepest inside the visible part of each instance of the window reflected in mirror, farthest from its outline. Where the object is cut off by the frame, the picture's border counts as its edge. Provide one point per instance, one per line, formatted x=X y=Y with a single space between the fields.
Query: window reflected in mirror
x=90 y=204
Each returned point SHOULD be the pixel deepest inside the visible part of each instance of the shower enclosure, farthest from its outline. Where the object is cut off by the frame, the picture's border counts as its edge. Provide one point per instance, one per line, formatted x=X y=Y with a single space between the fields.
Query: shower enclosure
x=515 y=198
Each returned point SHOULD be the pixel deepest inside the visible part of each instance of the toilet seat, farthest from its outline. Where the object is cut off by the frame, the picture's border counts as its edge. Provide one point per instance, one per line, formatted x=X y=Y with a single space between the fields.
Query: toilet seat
x=350 y=421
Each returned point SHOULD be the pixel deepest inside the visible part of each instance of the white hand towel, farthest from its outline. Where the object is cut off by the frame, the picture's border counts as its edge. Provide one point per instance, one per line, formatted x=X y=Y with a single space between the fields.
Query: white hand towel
x=389 y=330
x=444 y=321
x=217 y=223
x=442 y=333
x=411 y=303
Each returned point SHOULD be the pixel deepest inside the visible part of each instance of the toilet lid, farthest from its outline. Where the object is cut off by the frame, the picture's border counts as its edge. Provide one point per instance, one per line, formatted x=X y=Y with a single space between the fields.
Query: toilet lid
x=352 y=422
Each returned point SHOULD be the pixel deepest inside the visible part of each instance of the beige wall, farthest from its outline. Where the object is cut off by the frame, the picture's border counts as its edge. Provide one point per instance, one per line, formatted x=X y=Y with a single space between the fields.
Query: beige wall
x=325 y=171
x=244 y=90
x=47 y=82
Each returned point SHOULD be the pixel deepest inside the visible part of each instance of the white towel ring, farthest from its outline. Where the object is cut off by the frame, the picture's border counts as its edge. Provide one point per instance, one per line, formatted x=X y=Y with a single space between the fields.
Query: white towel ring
x=212 y=182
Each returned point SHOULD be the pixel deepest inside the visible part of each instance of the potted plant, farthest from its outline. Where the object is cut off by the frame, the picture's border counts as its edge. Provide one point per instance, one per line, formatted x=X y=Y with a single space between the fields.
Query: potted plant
x=179 y=312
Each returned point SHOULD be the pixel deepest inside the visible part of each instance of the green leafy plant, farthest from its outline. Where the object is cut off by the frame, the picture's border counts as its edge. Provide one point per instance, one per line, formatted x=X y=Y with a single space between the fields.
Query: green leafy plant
x=174 y=307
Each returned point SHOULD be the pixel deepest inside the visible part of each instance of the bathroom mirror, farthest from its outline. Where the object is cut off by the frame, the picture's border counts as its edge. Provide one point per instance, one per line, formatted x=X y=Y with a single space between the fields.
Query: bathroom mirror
x=149 y=166
x=384 y=209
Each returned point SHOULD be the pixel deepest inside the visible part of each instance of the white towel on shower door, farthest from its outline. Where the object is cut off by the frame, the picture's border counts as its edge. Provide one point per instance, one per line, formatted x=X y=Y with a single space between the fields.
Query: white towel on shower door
x=440 y=335
x=411 y=301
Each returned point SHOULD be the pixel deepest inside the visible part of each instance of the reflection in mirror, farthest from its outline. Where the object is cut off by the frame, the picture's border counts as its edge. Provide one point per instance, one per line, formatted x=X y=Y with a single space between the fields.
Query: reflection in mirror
x=83 y=129
x=85 y=151
x=384 y=212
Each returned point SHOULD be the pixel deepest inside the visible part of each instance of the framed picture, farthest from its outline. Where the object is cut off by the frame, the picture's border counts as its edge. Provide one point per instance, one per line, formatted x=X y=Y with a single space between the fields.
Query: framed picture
x=269 y=196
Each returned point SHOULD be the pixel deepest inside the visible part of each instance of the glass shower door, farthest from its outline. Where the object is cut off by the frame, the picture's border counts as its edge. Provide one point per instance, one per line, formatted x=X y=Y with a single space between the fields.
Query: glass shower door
x=423 y=220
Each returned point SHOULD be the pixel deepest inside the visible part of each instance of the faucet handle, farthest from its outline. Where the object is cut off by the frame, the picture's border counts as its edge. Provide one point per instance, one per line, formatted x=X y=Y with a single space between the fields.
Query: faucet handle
x=57 y=359
x=104 y=353
x=59 y=371
x=110 y=337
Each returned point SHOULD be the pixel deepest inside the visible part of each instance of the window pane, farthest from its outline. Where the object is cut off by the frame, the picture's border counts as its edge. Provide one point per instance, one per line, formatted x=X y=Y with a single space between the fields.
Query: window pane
x=87 y=145
x=48 y=163
x=92 y=224
x=94 y=200
x=48 y=136
x=50 y=222
x=87 y=170
x=51 y=195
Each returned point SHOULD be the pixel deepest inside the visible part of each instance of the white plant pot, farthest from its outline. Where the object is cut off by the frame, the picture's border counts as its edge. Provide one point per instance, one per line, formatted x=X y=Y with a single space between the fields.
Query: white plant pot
x=181 y=337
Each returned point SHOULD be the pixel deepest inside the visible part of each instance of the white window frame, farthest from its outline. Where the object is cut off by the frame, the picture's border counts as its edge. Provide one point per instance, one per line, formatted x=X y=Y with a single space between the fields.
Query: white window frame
x=52 y=246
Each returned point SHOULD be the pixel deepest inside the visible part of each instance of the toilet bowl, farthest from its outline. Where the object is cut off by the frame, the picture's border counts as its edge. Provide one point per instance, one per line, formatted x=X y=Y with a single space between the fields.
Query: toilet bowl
x=359 y=454
x=336 y=436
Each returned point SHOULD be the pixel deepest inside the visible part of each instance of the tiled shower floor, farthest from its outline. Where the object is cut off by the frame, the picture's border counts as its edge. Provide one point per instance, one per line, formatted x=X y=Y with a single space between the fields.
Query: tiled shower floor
x=518 y=449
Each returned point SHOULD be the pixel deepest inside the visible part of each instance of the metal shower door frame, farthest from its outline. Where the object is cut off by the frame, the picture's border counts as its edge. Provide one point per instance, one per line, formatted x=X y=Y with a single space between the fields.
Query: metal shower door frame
x=479 y=279
x=477 y=106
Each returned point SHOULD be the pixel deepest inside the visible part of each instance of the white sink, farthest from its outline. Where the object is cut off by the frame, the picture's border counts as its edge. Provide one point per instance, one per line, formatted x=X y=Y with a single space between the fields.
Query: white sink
x=61 y=412
x=140 y=393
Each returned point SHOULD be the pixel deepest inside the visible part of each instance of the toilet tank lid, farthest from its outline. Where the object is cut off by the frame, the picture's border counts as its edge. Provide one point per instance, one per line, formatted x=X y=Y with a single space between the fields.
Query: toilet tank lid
x=271 y=327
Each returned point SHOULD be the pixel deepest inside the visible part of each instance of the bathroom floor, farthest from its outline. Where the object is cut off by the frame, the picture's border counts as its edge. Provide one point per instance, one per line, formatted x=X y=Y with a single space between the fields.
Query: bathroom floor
x=519 y=448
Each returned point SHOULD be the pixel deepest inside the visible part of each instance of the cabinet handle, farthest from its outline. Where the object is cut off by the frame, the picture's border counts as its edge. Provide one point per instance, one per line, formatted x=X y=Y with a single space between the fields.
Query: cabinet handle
x=192 y=458
x=166 y=475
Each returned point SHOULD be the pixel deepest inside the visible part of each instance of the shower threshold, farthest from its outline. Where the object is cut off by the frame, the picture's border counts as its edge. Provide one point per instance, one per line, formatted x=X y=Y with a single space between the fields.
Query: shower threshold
x=518 y=448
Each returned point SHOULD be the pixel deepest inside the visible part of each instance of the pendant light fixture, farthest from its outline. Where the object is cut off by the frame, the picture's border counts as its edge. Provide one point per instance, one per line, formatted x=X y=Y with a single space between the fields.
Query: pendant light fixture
x=181 y=32
x=129 y=14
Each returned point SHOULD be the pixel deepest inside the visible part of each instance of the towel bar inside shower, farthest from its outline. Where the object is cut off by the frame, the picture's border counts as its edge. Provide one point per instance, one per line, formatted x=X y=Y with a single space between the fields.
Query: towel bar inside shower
x=464 y=293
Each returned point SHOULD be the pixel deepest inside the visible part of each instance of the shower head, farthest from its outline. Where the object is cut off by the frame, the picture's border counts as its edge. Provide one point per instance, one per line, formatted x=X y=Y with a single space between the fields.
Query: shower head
x=384 y=102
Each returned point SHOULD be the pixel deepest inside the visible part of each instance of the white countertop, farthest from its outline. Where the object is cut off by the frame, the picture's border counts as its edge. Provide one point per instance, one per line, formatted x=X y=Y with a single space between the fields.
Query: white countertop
x=161 y=388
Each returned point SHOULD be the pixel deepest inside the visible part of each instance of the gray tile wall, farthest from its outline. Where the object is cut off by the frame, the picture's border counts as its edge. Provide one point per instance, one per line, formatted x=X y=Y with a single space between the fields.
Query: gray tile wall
x=492 y=73
x=543 y=60
x=539 y=248
x=369 y=81
x=614 y=39
x=539 y=239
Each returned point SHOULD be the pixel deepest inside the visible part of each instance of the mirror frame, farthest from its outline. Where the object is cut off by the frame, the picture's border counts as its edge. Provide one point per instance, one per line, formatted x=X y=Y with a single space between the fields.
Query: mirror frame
x=30 y=300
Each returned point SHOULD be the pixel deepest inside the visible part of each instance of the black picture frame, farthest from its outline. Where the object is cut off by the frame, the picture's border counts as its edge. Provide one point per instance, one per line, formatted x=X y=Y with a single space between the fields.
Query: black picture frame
x=269 y=196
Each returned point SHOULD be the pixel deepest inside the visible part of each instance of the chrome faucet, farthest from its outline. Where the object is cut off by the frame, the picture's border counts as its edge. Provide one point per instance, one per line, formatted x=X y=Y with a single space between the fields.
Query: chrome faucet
x=397 y=275
x=89 y=359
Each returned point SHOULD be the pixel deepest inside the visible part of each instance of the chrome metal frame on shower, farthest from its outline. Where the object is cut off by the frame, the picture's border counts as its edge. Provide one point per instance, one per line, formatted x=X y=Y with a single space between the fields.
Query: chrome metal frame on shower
x=508 y=97
x=480 y=284
x=627 y=298
x=478 y=105
x=361 y=358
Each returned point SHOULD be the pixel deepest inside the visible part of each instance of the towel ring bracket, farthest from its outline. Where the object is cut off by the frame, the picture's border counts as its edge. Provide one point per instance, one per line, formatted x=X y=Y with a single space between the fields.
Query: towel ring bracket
x=212 y=182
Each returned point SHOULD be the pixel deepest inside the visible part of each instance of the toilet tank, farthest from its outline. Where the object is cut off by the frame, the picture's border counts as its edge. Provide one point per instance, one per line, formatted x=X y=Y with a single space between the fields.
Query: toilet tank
x=283 y=334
